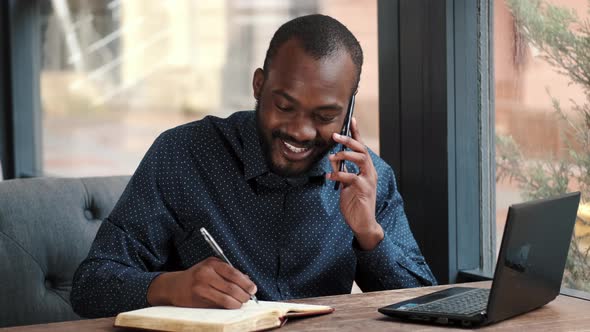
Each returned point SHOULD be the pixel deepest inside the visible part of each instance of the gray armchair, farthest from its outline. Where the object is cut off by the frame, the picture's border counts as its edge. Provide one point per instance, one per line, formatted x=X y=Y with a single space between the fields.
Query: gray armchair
x=46 y=228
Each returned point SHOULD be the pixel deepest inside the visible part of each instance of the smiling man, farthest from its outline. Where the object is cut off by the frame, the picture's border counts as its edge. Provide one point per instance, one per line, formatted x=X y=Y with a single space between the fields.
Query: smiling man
x=302 y=96
x=262 y=184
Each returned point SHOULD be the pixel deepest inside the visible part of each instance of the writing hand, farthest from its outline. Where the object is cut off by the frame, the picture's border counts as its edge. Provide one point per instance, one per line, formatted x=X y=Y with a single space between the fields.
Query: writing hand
x=211 y=283
x=359 y=191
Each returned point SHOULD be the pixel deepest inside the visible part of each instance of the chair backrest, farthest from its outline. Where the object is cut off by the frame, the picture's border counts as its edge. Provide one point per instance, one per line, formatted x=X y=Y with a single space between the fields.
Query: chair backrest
x=46 y=228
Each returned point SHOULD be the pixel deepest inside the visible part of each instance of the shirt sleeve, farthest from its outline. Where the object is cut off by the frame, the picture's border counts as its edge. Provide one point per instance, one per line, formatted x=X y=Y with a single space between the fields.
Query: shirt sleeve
x=130 y=244
x=396 y=262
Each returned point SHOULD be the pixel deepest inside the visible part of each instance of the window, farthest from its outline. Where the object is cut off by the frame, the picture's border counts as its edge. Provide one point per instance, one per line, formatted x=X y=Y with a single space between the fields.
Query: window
x=115 y=74
x=543 y=113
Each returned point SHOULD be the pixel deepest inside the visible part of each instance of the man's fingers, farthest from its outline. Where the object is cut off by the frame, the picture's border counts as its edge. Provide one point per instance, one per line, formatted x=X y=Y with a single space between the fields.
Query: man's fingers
x=345 y=178
x=363 y=161
x=219 y=299
x=350 y=143
x=229 y=288
x=335 y=164
x=233 y=275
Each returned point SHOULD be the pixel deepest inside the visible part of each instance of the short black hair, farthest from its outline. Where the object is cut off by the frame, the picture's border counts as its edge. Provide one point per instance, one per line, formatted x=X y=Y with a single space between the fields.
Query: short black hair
x=321 y=36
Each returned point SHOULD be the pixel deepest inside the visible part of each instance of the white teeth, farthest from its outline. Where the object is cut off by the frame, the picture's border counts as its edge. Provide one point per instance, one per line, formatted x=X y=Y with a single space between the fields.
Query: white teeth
x=294 y=148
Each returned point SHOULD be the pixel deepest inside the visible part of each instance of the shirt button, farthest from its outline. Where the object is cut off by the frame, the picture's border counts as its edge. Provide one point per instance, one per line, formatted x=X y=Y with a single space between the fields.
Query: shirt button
x=88 y=214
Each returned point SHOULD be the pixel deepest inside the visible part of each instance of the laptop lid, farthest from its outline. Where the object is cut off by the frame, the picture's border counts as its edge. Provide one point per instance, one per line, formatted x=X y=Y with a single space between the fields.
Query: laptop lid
x=532 y=255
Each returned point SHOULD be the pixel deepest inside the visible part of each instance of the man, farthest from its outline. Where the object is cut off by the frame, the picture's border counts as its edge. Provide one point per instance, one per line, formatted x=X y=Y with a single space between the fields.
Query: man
x=262 y=183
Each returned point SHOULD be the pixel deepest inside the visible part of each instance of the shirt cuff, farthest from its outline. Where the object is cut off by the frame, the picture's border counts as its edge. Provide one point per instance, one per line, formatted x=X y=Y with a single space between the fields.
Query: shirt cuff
x=392 y=266
x=384 y=253
x=135 y=287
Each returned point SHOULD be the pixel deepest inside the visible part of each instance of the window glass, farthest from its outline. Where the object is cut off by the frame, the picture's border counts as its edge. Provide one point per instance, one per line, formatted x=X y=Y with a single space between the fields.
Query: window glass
x=115 y=74
x=542 y=86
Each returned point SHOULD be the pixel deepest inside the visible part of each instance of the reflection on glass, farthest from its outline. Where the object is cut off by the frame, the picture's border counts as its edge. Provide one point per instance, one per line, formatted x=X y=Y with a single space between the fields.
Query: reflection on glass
x=117 y=73
x=542 y=79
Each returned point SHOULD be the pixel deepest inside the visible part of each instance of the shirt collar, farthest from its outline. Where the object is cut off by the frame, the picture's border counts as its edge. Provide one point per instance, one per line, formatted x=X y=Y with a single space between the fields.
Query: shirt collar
x=253 y=157
x=255 y=161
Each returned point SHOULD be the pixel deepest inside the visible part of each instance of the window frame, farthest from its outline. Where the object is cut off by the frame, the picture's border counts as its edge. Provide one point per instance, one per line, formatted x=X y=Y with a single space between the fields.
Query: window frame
x=20 y=121
x=429 y=57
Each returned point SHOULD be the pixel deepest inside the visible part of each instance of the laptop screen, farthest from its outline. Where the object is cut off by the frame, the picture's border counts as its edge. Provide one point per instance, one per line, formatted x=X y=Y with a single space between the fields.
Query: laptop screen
x=532 y=255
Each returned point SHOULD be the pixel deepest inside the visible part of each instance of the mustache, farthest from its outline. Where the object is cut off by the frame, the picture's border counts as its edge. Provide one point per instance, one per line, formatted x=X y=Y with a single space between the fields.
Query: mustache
x=305 y=144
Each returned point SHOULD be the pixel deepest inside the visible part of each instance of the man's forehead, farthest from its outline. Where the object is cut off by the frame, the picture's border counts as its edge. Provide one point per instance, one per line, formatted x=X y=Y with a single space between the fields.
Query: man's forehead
x=293 y=66
x=293 y=51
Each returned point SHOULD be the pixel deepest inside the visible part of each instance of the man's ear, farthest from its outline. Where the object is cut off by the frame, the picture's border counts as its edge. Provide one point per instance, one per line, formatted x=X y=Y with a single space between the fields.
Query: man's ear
x=258 y=82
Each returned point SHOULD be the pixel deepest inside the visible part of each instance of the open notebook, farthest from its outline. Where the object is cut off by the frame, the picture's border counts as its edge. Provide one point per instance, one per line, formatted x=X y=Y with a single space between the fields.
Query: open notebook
x=250 y=317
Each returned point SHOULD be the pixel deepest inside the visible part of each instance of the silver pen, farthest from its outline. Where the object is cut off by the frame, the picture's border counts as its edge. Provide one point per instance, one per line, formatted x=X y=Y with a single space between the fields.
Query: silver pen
x=219 y=253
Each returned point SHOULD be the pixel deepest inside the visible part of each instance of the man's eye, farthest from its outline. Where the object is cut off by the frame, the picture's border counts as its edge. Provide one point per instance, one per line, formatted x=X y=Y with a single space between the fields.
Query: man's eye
x=326 y=119
x=285 y=108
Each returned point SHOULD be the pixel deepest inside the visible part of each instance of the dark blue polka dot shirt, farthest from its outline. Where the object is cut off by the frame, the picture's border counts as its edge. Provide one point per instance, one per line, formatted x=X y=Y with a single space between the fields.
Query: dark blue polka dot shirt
x=288 y=235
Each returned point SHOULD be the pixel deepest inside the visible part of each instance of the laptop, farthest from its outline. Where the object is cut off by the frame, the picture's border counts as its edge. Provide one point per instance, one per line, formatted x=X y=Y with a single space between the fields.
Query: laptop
x=528 y=272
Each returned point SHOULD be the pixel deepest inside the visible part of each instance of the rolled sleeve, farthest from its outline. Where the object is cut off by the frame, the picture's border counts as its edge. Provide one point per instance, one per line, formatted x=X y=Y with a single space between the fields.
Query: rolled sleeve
x=131 y=246
x=115 y=276
x=387 y=266
x=396 y=262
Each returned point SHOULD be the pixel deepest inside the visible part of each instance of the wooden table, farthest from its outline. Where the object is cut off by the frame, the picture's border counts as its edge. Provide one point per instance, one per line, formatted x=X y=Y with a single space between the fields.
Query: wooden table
x=358 y=312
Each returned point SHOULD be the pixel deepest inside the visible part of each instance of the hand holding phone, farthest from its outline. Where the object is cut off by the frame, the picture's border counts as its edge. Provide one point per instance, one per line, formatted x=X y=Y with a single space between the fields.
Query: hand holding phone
x=345 y=132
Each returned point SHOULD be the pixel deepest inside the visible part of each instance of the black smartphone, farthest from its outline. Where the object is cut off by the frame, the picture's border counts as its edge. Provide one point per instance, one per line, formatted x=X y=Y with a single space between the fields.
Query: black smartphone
x=345 y=132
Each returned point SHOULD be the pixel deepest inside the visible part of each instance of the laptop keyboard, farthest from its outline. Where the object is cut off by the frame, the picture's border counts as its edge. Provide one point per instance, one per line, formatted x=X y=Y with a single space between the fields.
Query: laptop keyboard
x=469 y=302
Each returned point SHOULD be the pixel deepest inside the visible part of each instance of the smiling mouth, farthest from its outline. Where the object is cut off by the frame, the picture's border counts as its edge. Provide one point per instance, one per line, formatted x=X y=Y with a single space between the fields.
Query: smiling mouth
x=294 y=149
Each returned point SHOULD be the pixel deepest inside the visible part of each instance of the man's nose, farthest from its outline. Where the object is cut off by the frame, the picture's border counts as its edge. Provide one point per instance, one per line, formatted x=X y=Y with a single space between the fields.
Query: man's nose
x=301 y=128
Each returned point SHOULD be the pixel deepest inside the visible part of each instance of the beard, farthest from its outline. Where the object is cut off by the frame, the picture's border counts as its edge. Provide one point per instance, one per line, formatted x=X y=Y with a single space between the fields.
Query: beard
x=288 y=169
